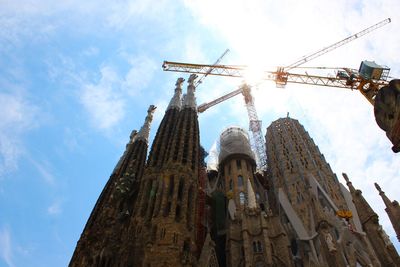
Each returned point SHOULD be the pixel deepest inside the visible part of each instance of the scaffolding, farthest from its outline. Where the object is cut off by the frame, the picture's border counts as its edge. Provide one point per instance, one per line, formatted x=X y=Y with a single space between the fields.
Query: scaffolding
x=234 y=140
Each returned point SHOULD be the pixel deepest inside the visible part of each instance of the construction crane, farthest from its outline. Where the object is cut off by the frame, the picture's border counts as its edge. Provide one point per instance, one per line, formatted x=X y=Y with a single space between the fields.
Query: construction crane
x=200 y=80
x=370 y=80
x=344 y=78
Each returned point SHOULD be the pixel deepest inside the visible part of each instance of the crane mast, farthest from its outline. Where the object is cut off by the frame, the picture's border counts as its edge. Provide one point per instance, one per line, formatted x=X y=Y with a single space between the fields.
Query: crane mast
x=255 y=126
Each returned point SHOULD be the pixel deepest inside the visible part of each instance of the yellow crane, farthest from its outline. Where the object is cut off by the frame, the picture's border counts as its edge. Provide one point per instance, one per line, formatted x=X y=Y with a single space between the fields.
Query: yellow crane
x=369 y=79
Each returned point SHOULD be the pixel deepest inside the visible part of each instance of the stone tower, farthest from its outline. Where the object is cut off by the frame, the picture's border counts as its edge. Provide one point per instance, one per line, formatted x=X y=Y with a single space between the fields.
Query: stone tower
x=306 y=194
x=244 y=225
x=392 y=209
x=101 y=236
x=162 y=231
x=383 y=247
x=171 y=212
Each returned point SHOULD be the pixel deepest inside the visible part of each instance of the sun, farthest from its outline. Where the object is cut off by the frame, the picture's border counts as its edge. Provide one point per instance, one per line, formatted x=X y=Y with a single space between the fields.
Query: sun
x=254 y=74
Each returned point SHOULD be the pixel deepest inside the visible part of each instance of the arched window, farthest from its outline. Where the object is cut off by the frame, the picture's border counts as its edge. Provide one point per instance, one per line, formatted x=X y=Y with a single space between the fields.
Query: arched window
x=230 y=184
x=262 y=206
x=242 y=198
x=171 y=186
x=162 y=233
x=238 y=164
x=146 y=197
x=240 y=180
x=180 y=189
x=259 y=246
x=254 y=246
x=293 y=247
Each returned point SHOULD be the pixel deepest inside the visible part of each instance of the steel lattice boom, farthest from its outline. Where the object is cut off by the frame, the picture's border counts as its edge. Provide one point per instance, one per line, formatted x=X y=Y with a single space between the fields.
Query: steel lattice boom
x=342 y=78
x=336 y=45
x=352 y=80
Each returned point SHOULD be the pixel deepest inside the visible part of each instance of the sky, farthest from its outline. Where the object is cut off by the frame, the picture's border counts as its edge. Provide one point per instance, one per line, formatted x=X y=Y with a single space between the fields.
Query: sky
x=76 y=77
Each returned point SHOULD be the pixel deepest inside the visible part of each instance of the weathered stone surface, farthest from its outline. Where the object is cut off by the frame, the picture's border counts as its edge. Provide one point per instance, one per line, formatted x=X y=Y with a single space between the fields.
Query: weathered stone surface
x=152 y=215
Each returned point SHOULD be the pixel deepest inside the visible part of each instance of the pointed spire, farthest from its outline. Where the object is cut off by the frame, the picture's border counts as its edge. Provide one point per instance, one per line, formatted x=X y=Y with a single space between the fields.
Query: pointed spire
x=145 y=130
x=385 y=199
x=190 y=99
x=176 y=99
x=252 y=204
x=392 y=209
x=349 y=184
x=364 y=210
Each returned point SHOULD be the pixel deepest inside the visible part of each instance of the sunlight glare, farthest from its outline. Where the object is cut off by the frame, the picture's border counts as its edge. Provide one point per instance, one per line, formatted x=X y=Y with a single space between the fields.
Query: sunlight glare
x=254 y=74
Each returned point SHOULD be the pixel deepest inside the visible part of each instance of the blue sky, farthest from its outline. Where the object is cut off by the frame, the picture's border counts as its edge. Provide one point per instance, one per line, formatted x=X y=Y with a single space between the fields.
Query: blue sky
x=77 y=76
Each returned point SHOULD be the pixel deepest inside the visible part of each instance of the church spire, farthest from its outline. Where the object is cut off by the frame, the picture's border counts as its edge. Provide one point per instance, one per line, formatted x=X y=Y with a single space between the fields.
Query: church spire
x=164 y=133
x=348 y=183
x=145 y=130
x=364 y=210
x=392 y=209
x=176 y=101
x=190 y=99
x=370 y=223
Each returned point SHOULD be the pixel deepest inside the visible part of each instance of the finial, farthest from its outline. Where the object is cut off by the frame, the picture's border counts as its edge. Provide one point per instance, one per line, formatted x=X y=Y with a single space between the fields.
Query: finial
x=133 y=136
x=151 y=109
x=346 y=177
x=145 y=130
x=179 y=82
x=378 y=187
x=349 y=184
x=192 y=77
x=176 y=99
x=190 y=99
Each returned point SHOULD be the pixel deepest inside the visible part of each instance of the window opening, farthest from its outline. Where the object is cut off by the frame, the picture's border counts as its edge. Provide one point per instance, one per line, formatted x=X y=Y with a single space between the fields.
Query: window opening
x=240 y=180
x=242 y=198
x=239 y=164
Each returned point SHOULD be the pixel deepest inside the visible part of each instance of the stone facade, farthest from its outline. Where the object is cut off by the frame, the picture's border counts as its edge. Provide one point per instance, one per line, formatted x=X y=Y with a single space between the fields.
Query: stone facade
x=102 y=234
x=169 y=211
x=306 y=195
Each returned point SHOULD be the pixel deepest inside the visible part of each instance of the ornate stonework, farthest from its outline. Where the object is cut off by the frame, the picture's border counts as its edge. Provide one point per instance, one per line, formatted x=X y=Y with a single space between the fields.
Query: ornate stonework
x=169 y=211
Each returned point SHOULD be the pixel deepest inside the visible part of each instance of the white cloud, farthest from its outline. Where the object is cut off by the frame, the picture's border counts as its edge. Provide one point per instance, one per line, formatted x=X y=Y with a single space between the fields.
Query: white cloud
x=54 y=208
x=102 y=100
x=91 y=51
x=6 y=249
x=124 y=13
x=140 y=74
x=17 y=117
x=106 y=100
x=44 y=169
x=42 y=19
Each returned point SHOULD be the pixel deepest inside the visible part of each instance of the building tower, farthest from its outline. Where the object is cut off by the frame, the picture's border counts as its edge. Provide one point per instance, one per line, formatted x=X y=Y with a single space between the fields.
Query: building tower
x=101 y=236
x=242 y=222
x=381 y=243
x=163 y=229
x=392 y=209
x=306 y=195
